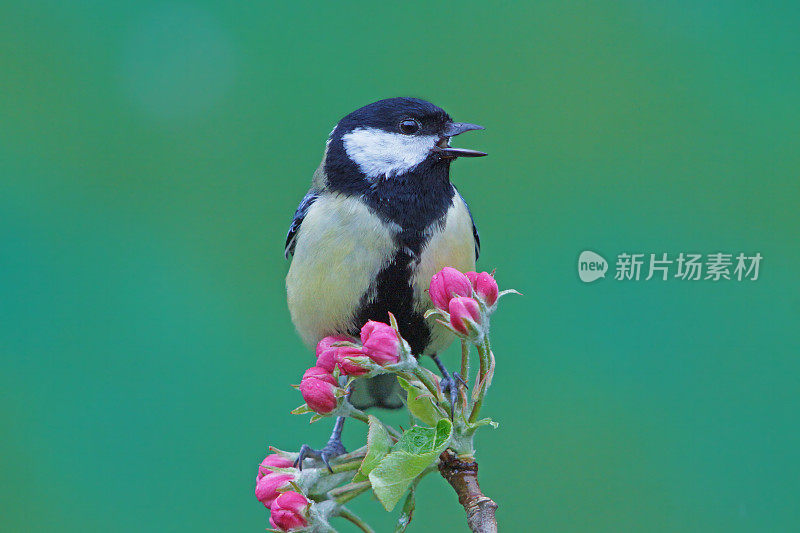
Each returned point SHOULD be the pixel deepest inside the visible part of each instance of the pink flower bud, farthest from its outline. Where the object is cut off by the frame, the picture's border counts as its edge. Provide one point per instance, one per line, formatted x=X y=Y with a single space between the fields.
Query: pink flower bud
x=289 y=511
x=349 y=368
x=380 y=342
x=447 y=284
x=485 y=286
x=320 y=373
x=273 y=459
x=463 y=309
x=317 y=388
x=327 y=353
x=268 y=487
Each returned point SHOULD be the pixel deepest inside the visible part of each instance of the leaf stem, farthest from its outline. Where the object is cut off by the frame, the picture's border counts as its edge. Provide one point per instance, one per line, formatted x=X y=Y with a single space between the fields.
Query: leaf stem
x=358 y=414
x=464 y=360
x=483 y=350
x=345 y=513
x=425 y=379
x=345 y=467
x=345 y=493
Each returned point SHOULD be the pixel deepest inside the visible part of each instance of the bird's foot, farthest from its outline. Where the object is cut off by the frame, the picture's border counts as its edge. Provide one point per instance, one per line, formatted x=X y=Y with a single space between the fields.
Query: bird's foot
x=450 y=384
x=334 y=448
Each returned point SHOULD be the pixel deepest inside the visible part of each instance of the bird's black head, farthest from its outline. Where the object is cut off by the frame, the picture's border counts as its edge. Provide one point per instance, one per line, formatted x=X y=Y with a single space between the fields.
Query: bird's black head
x=390 y=139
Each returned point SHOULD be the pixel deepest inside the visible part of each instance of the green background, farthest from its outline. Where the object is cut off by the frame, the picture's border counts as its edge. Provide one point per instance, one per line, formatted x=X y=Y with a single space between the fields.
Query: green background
x=152 y=155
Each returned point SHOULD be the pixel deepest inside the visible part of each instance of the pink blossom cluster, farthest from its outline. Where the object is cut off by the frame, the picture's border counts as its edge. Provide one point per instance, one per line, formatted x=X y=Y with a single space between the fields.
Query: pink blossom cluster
x=379 y=342
x=289 y=509
x=458 y=294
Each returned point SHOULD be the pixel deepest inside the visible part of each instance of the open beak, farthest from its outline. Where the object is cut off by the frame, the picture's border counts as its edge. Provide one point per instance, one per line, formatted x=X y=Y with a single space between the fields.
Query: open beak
x=451 y=130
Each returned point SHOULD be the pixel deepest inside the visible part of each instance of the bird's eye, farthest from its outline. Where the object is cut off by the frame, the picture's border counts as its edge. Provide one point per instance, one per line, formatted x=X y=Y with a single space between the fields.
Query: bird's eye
x=409 y=126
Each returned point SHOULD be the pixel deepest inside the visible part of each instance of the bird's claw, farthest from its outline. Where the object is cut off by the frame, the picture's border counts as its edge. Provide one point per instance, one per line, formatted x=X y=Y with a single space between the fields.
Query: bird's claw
x=449 y=386
x=334 y=448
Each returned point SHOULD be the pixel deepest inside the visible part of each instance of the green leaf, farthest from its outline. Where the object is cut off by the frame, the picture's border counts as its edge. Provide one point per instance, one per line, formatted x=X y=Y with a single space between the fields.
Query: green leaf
x=301 y=410
x=378 y=444
x=393 y=323
x=442 y=436
x=420 y=440
x=432 y=312
x=417 y=449
x=421 y=408
x=485 y=422
x=392 y=477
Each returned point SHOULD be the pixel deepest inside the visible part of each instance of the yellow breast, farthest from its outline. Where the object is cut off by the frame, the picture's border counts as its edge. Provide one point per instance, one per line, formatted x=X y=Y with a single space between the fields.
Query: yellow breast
x=341 y=247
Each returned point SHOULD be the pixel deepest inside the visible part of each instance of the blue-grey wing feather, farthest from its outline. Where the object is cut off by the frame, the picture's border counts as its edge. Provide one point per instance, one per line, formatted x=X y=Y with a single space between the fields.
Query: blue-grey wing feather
x=299 y=215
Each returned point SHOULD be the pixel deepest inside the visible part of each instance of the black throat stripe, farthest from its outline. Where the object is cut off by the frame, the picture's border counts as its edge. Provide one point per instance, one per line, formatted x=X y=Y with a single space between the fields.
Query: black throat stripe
x=393 y=293
x=418 y=202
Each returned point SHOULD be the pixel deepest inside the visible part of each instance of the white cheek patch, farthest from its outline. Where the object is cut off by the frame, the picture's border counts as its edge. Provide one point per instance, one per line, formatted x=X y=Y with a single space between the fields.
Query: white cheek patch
x=381 y=153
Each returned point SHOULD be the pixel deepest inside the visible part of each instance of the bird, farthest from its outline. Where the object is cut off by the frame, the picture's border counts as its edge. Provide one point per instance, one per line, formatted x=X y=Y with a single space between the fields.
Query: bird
x=380 y=218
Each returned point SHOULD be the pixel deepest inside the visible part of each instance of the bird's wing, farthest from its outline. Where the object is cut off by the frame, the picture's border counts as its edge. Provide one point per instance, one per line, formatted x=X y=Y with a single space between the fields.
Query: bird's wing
x=299 y=215
x=475 y=233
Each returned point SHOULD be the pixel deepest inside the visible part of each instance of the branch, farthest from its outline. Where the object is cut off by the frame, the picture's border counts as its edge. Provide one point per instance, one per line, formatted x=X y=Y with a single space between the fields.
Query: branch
x=463 y=477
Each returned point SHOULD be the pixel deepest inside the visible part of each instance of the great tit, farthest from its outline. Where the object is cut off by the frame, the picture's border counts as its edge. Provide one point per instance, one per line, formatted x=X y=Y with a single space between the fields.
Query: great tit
x=380 y=219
